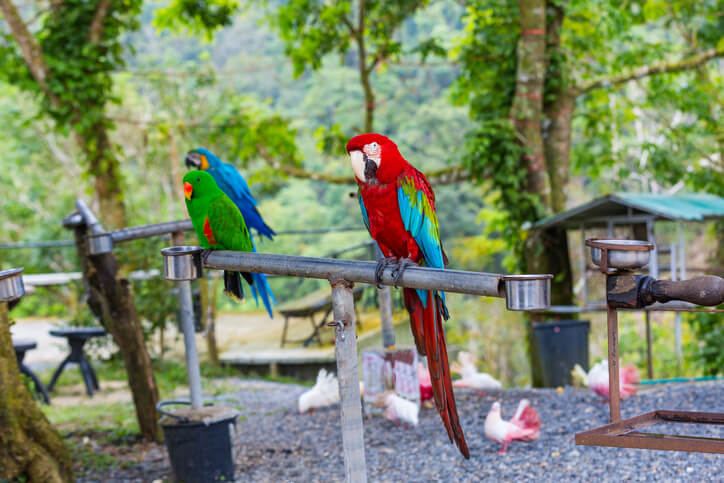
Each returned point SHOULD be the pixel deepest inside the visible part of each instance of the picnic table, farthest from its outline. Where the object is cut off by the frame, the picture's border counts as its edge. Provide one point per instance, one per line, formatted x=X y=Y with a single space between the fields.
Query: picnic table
x=21 y=346
x=77 y=337
x=309 y=306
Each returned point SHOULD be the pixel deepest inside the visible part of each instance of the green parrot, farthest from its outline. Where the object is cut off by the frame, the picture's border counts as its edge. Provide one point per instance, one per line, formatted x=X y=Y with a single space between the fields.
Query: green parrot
x=218 y=224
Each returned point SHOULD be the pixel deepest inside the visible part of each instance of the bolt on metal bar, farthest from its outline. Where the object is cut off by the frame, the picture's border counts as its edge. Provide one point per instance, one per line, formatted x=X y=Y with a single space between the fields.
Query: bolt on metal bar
x=345 y=352
x=459 y=281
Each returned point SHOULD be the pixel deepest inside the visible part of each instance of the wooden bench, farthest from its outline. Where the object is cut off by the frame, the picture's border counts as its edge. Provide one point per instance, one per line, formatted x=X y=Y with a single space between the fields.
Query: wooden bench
x=309 y=306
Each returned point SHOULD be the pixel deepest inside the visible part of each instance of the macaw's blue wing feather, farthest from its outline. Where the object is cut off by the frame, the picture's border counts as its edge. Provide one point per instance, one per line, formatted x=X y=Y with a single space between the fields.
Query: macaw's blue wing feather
x=236 y=188
x=420 y=219
x=365 y=218
x=261 y=288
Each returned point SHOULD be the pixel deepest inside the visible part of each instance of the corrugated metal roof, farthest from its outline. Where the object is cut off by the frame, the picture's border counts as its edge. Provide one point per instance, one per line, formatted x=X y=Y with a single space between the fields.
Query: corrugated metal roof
x=686 y=207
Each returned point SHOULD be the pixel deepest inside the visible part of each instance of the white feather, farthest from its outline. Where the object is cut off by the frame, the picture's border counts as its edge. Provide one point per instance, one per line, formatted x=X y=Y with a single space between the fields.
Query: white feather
x=324 y=393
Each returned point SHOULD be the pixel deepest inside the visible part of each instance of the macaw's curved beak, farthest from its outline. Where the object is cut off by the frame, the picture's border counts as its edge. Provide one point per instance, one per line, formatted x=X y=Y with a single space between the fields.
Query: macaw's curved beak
x=188 y=189
x=193 y=160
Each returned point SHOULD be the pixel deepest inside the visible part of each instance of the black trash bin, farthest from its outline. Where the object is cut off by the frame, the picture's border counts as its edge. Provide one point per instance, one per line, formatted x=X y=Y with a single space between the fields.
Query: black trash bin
x=199 y=451
x=561 y=345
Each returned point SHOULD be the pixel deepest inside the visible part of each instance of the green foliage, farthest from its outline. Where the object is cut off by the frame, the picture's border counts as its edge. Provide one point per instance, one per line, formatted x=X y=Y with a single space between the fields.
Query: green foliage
x=310 y=29
x=152 y=295
x=707 y=351
x=492 y=150
x=198 y=17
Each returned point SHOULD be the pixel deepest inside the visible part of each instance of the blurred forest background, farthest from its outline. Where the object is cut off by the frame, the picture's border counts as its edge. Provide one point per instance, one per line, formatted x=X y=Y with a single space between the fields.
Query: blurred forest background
x=628 y=96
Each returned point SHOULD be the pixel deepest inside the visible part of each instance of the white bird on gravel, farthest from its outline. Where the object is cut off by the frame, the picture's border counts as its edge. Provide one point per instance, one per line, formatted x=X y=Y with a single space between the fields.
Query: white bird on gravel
x=398 y=409
x=472 y=379
x=324 y=393
x=524 y=426
x=597 y=379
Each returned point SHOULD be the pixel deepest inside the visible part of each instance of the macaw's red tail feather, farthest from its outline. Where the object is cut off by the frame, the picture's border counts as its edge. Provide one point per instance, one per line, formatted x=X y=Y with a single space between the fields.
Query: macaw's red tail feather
x=426 y=323
x=414 y=307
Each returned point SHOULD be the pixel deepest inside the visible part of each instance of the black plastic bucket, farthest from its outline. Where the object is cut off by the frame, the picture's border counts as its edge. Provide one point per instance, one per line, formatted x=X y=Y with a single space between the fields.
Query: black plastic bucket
x=561 y=345
x=199 y=452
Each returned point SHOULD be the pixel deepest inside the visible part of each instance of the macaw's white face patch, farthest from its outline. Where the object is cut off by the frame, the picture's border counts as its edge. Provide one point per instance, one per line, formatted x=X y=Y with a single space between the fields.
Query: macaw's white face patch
x=373 y=151
x=358 y=164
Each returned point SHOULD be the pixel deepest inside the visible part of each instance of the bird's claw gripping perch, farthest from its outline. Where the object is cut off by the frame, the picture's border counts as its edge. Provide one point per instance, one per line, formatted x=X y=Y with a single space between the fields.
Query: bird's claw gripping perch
x=399 y=269
x=382 y=263
x=204 y=255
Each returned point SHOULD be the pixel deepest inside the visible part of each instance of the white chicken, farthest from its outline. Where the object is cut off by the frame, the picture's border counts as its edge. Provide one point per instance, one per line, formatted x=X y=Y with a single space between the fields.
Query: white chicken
x=597 y=379
x=324 y=393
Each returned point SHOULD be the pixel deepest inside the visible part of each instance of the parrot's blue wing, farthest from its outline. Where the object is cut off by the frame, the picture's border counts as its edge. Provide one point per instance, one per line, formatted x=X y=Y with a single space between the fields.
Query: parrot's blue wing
x=261 y=288
x=236 y=188
x=420 y=219
x=365 y=218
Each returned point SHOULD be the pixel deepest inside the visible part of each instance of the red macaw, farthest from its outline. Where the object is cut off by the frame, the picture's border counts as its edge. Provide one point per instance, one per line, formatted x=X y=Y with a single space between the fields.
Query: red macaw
x=398 y=208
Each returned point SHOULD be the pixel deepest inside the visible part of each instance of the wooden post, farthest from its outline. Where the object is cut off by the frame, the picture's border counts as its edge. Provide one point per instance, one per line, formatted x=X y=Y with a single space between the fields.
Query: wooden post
x=614 y=400
x=345 y=351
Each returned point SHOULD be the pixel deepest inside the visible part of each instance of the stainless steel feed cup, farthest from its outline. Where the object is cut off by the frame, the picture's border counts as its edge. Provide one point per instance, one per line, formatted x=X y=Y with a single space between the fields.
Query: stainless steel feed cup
x=528 y=292
x=182 y=263
x=11 y=285
x=631 y=255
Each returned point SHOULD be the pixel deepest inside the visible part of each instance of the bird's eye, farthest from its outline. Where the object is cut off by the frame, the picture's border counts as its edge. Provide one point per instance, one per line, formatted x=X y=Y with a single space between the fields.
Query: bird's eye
x=198 y=179
x=374 y=145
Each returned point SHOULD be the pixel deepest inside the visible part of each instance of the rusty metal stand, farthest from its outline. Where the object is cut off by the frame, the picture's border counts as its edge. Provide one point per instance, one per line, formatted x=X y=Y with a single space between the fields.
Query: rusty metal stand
x=624 y=290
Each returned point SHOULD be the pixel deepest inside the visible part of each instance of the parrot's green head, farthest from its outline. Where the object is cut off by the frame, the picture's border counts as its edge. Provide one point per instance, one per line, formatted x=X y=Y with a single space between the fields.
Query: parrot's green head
x=199 y=184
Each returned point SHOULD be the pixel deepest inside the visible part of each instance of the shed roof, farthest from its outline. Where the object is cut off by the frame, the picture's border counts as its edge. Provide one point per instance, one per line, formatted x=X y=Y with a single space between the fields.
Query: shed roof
x=685 y=207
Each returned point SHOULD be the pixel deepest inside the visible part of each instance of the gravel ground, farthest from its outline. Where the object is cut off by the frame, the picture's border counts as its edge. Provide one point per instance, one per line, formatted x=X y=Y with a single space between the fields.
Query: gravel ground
x=274 y=443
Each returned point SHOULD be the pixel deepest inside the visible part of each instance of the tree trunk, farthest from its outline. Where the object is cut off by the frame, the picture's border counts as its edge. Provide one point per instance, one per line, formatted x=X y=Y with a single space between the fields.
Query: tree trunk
x=105 y=169
x=559 y=115
x=526 y=112
x=111 y=301
x=30 y=448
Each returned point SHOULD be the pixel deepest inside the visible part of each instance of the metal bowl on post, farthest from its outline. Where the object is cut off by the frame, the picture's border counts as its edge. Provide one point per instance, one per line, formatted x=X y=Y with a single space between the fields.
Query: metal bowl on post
x=11 y=285
x=621 y=254
x=100 y=244
x=528 y=292
x=182 y=263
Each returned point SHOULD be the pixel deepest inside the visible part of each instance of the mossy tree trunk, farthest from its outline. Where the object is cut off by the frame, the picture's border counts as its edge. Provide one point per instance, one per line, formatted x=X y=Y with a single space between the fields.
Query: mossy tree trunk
x=111 y=300
x=29 y=446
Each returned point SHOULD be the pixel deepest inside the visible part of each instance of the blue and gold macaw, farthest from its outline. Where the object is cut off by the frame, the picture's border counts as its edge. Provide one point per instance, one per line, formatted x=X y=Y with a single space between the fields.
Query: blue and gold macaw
x=233 y=184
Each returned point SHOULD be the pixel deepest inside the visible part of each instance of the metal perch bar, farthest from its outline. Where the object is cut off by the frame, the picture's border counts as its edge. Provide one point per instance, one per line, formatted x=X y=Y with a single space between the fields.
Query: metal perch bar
x=146 y=231
x=90 y=219
x=459 y=281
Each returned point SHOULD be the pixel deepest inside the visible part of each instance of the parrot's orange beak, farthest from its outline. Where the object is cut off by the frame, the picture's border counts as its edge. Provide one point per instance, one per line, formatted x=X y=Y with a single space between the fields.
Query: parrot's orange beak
x=188 y=189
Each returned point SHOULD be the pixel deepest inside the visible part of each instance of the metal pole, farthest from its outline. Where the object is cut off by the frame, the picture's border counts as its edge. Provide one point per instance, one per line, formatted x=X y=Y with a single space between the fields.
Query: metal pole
x=192 y=357
x=584 y=264
x=91 y=221
x=187 y=325
x=677 y=315
x=458 y=281
x=649 y=359
x=146 y=231
x=384 y=297
x=614 y=399
x=682 y=252
x=345 y=351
